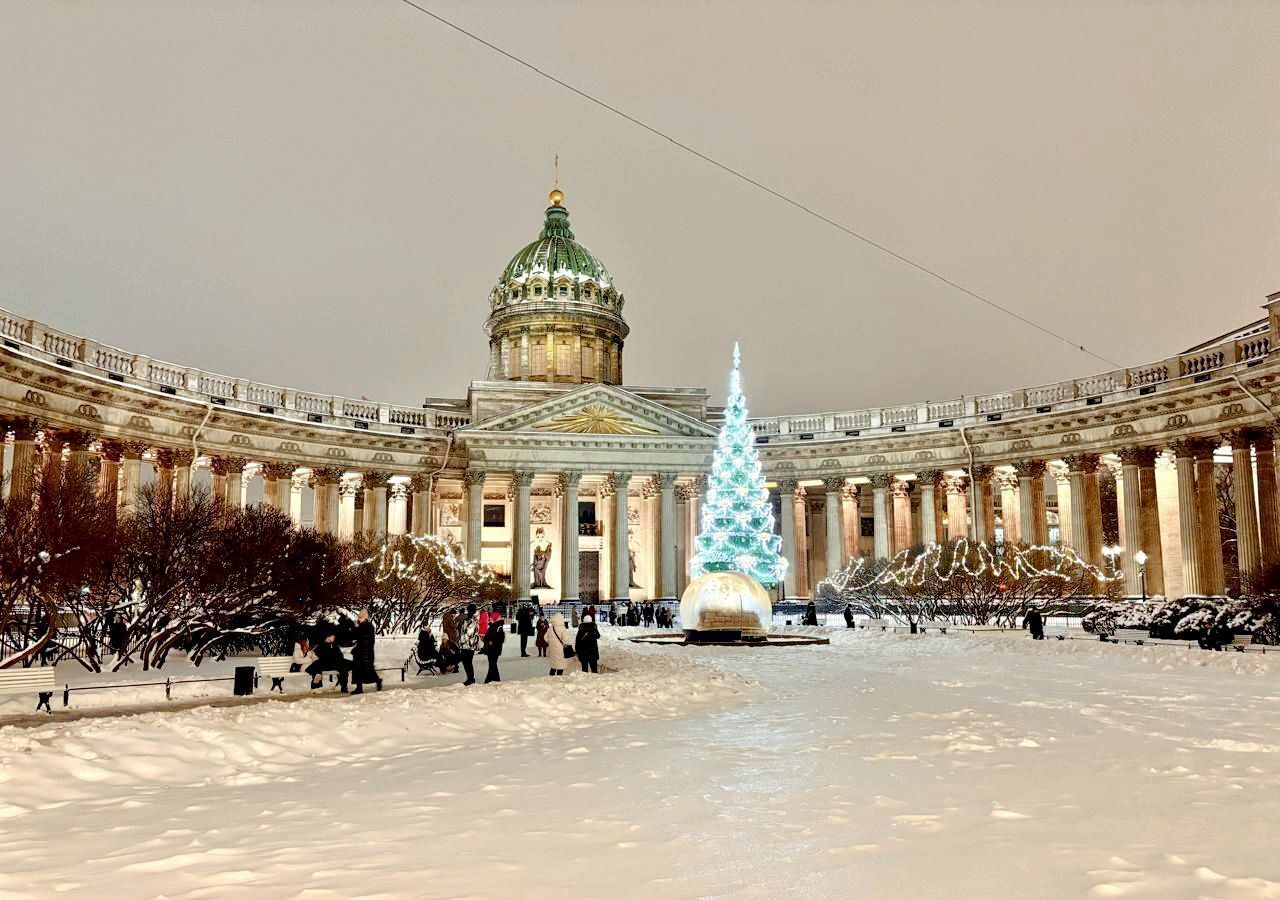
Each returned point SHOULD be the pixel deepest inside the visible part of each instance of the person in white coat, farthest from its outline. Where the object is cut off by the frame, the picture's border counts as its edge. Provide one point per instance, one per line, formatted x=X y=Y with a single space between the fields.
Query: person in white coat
x=557 y=640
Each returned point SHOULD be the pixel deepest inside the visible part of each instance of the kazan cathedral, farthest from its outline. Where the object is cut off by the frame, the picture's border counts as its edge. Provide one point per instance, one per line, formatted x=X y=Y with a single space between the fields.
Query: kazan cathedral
x=579 y=486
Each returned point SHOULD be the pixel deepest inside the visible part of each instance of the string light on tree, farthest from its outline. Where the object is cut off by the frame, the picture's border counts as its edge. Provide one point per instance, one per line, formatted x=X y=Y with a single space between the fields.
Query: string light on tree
x=736 y=532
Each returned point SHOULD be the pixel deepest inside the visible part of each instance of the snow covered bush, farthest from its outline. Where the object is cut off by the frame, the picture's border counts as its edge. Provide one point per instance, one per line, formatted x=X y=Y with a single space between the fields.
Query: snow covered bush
x=1108 y=615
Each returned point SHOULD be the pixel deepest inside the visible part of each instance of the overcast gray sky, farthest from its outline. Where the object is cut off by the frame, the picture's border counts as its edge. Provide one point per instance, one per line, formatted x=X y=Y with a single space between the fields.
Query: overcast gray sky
x=321 y=194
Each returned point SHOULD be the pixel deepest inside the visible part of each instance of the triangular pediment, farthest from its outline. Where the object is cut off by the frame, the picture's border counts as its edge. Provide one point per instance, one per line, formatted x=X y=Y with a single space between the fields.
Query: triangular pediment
x=599 y=410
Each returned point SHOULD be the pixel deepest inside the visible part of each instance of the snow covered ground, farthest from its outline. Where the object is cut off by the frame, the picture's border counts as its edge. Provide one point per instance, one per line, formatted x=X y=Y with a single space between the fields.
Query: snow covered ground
x=882 y=766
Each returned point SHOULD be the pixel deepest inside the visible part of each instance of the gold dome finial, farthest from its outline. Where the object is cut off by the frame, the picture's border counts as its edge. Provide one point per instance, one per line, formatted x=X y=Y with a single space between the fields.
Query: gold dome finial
x=556 y=196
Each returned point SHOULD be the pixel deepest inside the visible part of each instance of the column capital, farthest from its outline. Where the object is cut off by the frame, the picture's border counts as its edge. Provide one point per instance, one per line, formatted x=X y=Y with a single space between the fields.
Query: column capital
x=787 y=486
x=981 y=472
x=399 y=490
x=1008 y=481
x=321 y=474
x=274 y=471
x=134 y=449
x=569 y=480
x=1202 y=448
x=849 y=491
x=1086 y=463
x=901 y=488
x=666 y=480
x=374 y=480
x=183 y=458
x=77 y=439
x=418 y=483
x=684 y=493
x=957 y=484
x=473 y=477
x=348 y=487
x=834 y=483
x=1030 y=468
x=930 y=478
x=1144 y=457
x=1264 y=440
x=880 y=481
x=111 y=451
x=522 y=478
x=1240 y=438
x=24 y=429
x=164 y=458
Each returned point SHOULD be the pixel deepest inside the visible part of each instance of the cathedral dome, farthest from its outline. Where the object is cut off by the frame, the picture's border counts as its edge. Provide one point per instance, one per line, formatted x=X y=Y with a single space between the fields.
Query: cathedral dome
x=555 y=253
x=555 y=314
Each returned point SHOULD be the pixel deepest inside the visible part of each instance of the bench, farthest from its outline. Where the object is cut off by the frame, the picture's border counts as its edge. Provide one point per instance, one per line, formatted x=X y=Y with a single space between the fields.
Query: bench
x=1240 y=641
x=275 y=668
x=934 y=625
x=1137 y=636
x=22 y=681
x=882 y=624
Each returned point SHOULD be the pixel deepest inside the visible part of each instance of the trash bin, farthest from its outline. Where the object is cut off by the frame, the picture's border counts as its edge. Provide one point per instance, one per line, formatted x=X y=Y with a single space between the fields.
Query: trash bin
x=244 y=681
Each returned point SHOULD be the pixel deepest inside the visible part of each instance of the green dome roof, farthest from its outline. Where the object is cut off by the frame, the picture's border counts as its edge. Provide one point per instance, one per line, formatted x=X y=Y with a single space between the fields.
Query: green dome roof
x=556 y=253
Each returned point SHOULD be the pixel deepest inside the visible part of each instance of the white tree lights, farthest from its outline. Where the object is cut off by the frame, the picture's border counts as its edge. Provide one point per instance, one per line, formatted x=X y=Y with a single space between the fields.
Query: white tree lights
x=737 y=521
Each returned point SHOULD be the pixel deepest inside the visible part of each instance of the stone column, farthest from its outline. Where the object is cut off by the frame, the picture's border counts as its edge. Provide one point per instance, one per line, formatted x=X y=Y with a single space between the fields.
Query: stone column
x=1211 y=574
x=130 y=474
x=1268 y=499
x=604 y=522
x=218 y=486
x=1152 y=542
x=473 y=483
x=927 y=482
x=835 y=539
x=621 y=553
x=235 y=480
x=1079 y=467
x=851 y=516
x=1135 y=516
x=1009 y=508
x=981 y=503
x=277 y=483
x=51 y=446
x=22 y=480
x=324 y=484
x=375 y=502
x=1033 y=526
x=81 y=459
x=569 y=556
x=521 y=559
x=347 y=488
x=418 y=484
x=800 y=510
x=164 y=477
x=182 y=460
x=787 y=521
x=293 y=489
x=880 y=510
x=1248 y=536
x=666 y=552
x=398 y=509
x=902 y=537
x=109 y=474
x=957 y=507
x=1189 y=519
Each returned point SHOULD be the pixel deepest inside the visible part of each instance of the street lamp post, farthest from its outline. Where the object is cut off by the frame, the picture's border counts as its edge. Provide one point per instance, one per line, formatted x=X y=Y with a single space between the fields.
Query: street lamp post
x=1141 y=559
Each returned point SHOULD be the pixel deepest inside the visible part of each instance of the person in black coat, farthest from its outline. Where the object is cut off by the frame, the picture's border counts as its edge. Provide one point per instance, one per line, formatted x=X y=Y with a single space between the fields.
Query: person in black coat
x=362 y=660
x=848 y=615
x=329 y=658
x=491 y=646
x=587 y=645
x=524 y=627
x=1034 y=623
x=810 y=614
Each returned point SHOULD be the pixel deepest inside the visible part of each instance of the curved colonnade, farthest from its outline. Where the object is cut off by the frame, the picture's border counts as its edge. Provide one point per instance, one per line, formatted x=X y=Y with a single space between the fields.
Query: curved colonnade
x=1024 y=465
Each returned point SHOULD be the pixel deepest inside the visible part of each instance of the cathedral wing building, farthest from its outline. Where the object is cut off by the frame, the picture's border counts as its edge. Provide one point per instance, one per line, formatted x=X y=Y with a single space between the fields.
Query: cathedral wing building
x=579 y=486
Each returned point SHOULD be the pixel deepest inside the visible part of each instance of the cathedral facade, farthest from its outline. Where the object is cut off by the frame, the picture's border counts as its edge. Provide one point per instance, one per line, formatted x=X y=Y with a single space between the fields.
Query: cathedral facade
x=579 y=486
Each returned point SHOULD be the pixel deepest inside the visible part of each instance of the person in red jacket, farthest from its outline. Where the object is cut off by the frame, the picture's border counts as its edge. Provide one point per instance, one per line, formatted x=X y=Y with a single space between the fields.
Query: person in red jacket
x=482 y=623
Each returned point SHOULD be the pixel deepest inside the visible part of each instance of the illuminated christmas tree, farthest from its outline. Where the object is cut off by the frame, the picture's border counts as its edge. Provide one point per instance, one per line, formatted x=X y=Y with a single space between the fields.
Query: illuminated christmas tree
x=737 y=519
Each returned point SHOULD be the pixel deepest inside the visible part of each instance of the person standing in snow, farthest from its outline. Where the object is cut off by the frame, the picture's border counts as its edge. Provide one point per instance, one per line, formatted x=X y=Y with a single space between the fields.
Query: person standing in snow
x=482 y=624
x=363 y=666
x=587 y=645
x=543 y=625
x=1034 y=623
x=468 y=642
x=493 y=640
x=848 y=615
x=557 y=641
x=810 y=614
x=524 y=625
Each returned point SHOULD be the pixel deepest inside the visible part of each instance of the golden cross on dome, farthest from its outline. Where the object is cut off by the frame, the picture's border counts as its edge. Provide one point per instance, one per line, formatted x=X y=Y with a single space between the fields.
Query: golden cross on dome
x=557 y=195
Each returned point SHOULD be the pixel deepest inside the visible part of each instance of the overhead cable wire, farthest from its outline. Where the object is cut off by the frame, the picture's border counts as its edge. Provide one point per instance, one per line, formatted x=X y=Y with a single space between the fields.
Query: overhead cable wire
x=761 y=186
